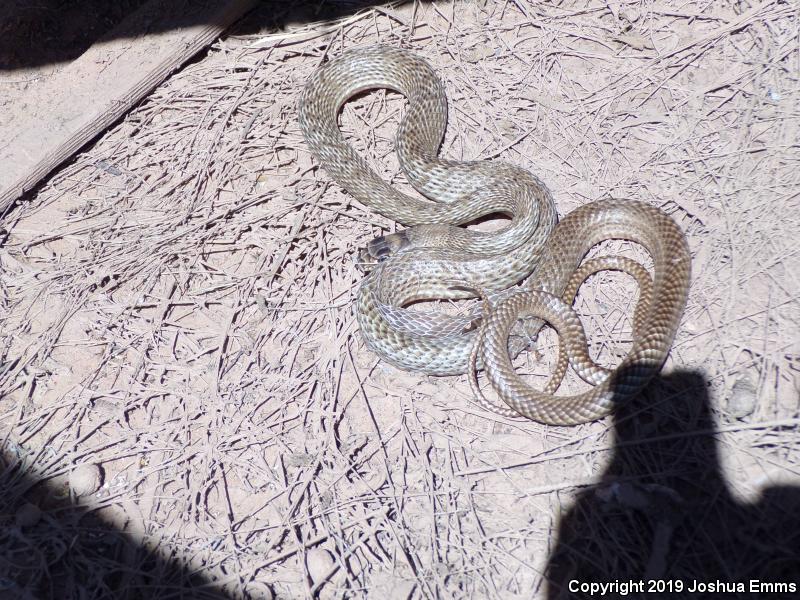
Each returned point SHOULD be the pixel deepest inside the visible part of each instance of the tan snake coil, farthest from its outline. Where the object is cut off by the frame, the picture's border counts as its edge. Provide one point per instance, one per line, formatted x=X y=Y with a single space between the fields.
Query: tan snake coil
x=435 y=259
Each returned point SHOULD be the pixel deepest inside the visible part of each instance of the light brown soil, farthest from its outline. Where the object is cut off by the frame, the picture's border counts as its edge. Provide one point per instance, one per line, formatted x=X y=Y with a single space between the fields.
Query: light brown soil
x=176 y=307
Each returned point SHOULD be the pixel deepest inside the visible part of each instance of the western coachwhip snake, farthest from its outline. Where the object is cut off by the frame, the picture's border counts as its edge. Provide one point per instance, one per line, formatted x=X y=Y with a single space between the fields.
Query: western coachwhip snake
x=436 y=259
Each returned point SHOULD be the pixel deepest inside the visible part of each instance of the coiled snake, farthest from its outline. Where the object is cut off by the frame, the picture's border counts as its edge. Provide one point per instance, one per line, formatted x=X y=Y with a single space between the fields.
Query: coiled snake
x=436 y=259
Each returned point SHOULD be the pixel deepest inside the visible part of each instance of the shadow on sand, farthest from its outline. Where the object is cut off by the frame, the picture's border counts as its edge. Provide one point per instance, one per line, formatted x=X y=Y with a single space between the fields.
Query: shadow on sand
x=663 y=512
x=72 y=552
x=34 y=34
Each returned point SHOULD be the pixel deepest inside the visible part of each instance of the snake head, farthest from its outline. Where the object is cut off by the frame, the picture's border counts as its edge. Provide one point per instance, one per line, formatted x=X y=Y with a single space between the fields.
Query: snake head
x=381 y=248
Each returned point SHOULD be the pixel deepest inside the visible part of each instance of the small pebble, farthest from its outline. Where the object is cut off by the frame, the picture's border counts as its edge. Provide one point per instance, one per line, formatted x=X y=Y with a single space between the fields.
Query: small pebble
x=478 y=53
x=257 y=590
x=85 y=479
x=742 y=401
x=319 y=563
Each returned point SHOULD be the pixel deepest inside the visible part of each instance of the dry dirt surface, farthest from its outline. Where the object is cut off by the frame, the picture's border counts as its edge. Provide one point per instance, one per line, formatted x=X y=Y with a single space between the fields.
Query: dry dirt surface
x=188 y=409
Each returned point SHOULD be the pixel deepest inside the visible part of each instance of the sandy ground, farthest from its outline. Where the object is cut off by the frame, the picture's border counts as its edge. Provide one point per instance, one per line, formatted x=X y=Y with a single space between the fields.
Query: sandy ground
x=176 y=310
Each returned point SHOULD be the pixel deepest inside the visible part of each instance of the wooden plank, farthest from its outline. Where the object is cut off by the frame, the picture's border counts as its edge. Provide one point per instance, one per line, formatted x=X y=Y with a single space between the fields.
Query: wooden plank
x=95 y=90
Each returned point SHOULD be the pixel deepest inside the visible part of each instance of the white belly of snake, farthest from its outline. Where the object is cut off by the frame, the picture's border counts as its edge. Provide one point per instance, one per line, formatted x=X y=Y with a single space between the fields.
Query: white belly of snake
x=436 y=259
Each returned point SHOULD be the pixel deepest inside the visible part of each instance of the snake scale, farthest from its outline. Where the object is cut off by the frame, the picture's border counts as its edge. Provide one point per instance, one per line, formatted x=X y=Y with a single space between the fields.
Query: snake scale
x=434 y=258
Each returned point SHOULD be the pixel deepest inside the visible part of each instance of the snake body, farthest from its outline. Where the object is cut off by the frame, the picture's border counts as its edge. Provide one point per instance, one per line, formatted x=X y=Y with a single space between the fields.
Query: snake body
x=656 y=321
x=436 y=259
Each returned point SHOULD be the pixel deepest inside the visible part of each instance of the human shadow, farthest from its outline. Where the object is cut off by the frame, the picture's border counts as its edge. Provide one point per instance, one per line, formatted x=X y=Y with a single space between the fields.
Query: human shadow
x=664 y=515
